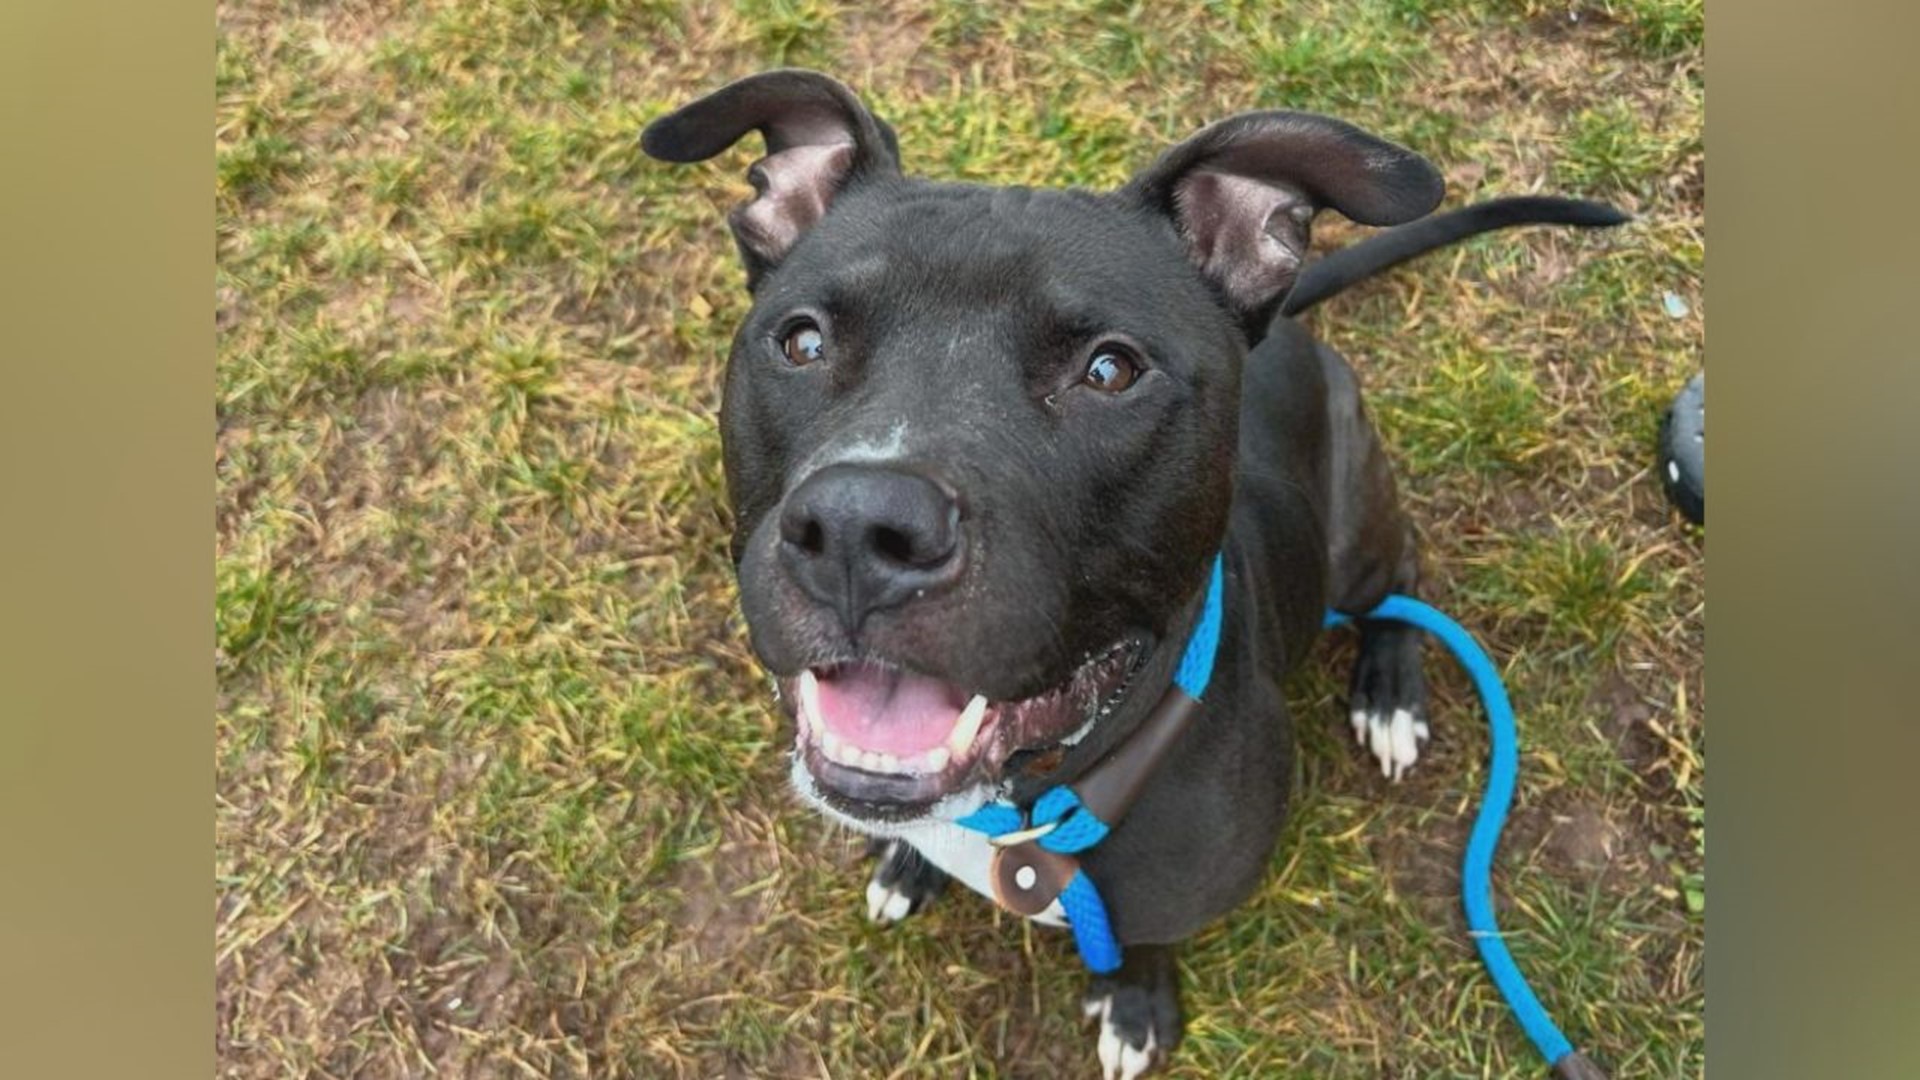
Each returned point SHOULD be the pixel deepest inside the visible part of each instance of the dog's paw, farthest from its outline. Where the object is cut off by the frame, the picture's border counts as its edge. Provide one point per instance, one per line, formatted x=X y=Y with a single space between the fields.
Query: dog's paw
x=1131 y=1043
x=1389 y=698
x=1138 y=1010
x=1394 y=740
x=903 y=882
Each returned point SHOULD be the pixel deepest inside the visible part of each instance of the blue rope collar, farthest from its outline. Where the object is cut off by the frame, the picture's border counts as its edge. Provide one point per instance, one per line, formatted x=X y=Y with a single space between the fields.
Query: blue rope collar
x=1196 y=664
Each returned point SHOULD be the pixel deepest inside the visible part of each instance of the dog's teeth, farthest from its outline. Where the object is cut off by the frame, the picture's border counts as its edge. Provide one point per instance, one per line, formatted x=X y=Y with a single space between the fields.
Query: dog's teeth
x=840 y=750
x=887 y=763
x=967 y=726
x=870 y=761
x=1079 y=733
x=809 y=699
x=935 y=759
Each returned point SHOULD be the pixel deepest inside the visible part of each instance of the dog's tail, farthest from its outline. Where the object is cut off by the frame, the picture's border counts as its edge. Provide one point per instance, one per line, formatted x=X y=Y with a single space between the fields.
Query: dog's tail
x=1360 y=261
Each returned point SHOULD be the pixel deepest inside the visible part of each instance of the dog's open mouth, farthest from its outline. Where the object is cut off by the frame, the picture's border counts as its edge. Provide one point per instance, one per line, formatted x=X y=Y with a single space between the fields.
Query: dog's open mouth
x=881 y=741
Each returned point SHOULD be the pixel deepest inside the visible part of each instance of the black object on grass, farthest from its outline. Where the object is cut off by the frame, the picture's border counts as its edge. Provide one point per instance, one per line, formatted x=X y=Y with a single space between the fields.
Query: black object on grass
x=1683 y=450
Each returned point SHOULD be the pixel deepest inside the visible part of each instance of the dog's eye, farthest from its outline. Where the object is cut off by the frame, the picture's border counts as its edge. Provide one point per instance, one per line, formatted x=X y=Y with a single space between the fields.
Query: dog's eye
x=803 y=344
x=1111 y=370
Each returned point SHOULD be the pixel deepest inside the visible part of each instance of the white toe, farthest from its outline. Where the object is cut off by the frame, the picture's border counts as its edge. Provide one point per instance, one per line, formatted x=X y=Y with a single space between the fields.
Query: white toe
x=1119 y=1059
x=1381 y=744
x=1110 y=1049
x=1359 y=718
x=1405 y=750
x=1136 y=1060
x=884 y=905
x=1395 y=741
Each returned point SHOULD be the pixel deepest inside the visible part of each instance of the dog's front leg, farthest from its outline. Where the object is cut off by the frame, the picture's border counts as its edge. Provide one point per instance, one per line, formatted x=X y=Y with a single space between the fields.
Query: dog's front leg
x=1138 y=1008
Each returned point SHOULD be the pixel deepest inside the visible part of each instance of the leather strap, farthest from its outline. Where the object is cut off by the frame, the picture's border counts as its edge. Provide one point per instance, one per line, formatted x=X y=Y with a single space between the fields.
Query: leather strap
x=1111 y=786
x=1027 y=877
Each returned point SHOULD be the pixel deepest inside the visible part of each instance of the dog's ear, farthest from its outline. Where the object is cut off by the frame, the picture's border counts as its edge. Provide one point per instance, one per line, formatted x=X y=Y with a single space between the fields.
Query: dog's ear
x=820 y=140
x=1243 y=193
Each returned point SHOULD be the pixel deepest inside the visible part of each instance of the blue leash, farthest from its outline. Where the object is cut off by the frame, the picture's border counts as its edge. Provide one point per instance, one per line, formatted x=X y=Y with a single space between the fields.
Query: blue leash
x=1073 y=828
x=1477 y=869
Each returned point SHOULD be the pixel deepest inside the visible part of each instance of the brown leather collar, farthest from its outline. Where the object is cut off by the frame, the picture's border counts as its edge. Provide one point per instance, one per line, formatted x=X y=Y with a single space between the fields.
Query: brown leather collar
x=1027 y=877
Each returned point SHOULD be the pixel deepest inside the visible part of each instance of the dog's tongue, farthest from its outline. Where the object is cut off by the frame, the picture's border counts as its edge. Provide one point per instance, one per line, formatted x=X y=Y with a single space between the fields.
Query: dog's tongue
x=891 y=712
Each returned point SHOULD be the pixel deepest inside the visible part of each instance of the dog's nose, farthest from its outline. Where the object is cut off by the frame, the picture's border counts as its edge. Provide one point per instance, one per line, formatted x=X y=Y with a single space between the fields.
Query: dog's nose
x=862 y=538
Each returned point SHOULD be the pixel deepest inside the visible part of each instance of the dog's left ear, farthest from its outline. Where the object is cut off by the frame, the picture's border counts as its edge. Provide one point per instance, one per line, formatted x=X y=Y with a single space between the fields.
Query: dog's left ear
x=820 y=140
x=1243 y=193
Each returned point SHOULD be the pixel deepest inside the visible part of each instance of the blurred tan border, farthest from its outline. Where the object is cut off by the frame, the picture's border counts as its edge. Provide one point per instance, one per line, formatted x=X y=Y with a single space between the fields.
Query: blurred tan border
x=106 y=569
x=105 y=672
x=1815 y=549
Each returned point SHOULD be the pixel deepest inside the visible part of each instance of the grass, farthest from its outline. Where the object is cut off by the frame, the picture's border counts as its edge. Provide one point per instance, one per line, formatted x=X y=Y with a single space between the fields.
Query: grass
x=499 y=790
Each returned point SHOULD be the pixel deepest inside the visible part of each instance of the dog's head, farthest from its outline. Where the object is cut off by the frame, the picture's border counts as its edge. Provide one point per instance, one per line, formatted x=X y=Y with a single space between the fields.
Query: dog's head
x=980 y=441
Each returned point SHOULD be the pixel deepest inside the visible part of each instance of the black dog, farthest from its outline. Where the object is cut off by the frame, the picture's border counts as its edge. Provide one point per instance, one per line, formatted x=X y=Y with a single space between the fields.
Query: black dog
x=983 y=445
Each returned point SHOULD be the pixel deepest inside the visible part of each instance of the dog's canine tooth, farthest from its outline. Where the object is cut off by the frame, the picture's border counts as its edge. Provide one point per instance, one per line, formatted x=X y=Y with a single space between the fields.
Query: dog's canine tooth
x=935 y=759
x=810 y=700
x=967 y=727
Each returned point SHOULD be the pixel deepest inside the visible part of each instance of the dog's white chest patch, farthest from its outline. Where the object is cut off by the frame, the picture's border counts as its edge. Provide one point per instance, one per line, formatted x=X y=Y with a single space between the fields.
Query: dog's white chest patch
x=965 y=856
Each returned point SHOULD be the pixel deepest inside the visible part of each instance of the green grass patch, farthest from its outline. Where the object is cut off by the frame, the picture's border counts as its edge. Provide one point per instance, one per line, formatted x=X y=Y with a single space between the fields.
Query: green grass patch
x=1472 y=407
x=1612 y=147
x=792 y=33
x=258 y=609
x=1667 y=28
x=1584 y=589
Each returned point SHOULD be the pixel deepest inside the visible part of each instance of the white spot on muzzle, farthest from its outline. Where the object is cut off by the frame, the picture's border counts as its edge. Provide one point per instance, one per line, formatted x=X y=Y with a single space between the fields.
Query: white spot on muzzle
x=859 y=449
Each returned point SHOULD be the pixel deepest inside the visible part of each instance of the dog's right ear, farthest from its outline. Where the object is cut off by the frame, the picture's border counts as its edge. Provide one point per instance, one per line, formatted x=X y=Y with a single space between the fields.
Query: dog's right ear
x=820 y=141
x=1244 y=191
